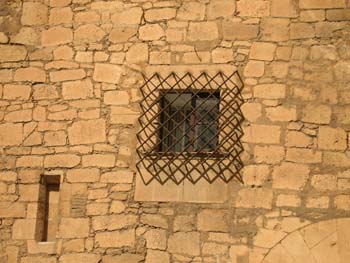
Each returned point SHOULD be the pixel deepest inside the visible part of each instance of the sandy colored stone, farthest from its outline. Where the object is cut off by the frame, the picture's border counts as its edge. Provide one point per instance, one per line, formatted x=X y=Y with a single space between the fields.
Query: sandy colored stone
x=193 y=11
x=16 y=92
x=318 y=4
x=222 y=55
x=324 y=182
x=262 y=51
x=251 y=111
x=131 y=16
x=288 y=201
x=74 y=227
x=12 y=53
x=342 y=70
x=301 y=31
x=154 y=220
x=317 y=113
x=11 y=134
x=123 y=34
x=56 y=36
x=121 y=176
x=137 y=53
x=298 y=139
x=6 y=75
x=34 y=13
x=31 y=74
x=80 y=89
x=239 y=31
x=184 y=243
x=124 y=258
x=255 y=175
x=27 y=36
x=312 y=15
x=38 y=259
x=323 y=52
x=203 y=31
x=258 y=133
x=12 y=210
x=159 y=14
x=212 y=220
x=61 y=160
x=67 y=74
x=43 y=92
x=23 y=229
x=160 y=58
x=88 y=34
x=156 y=256
x=99 y=160
x=55 y=138
x=320 y=202
x=332 y=138
x=284 y=8
x=254 y=69
x=281 y=113
x=156 y=239
x=151 y=32
x=91 y=131
x=107 y=73
x=290 y=176
x=115 y=239
x=300 y=155
x=80 y=258
x=254 y=198
x=220 y=8
x=116 y=98
x=253 y=8
x=275 y=29
x=83 y=175
x=60 y=16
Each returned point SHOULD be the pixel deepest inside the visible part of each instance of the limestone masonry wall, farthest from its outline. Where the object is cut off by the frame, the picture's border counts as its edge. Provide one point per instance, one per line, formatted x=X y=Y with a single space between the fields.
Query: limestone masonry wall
x=70 y=72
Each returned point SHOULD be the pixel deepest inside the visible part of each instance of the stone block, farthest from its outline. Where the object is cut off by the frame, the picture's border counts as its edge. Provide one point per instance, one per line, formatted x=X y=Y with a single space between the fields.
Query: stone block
x=30 y=74
x=34 y=13
x=74 y=228
x=80 y=258
x=66 y=75
x=320 y=202
x=79 y=89
x=212 y=220
x=254 y=69
x=332 y=138
x=192 y=11
x=284 y=200
x=19 y=116
x=12 y=53
x=239 y=31
x=116 y=98
x=298 y=139
x=220 y=8
x=56 y=36
x=30 y=161
x=55 y=138
x=312 y=15
x=115 y=239
x=203 y=31
x=99 y=160
x=124 y=258
x=254 y=198
x=262 y=51
x=60 y=16
x=256 y=133
x=342 y=71
x=301 y=31
x=119 y=177
x=85 y=132
x=156 y=239
x=137 y=53
x=90 y=175
x=159 y=14
x=16 y=92
x=342 y=202
x=123 y=34
x=323 y=52
x=319 y=4
x=12 y=210
x=222 y=55
x=151 y=32
x=184 y=223
x=290 y=176
x=131 y=16
x=255 y=175
x=284 y=8
x=11 y=134
x=156 y=256
x=316 y=113
x=38 y=259
x=160 y=58
x=61 y=160
x=324 y=182
x=89 y=33
x=338 y=15
x=187 y=243
x=275 y=29
x=107 y=73
x=253 y=8
x=44 y=92
x=281 y=113
x=154 y=220
x=23 y=229
x=300 y=155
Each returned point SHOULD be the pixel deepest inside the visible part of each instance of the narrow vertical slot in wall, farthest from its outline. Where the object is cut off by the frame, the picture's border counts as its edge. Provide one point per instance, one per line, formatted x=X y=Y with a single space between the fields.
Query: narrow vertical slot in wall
x=48 y=208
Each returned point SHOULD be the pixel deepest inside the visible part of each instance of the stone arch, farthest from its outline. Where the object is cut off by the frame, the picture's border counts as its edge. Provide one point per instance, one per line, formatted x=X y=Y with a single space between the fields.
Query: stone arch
x=323 y=242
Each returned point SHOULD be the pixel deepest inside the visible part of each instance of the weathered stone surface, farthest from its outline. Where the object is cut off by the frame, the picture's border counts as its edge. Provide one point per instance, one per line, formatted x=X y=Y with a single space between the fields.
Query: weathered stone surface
x=299 y=155
x=115 y=239
x=116 y=98
x=107 y=73
x=125 y=258
x=16 y=92
x=342 y=70
x=11 y=134
x=91 y=131
x=222 y=55
x=83 y=175
x=137 y=53
x=324 y=182
x=290 y=176
x=80 y=258
x=281 y=113
x=212 y=220
x=34 y=13
x=255 y=175
x=38 y=259
x=338 y=15
x=80 y=89
x=220 y=8
x=301 y=31
x=99 y=160
x=254 y=198
x=156 y=256
x=61 y=16
x=239 y=31
x=193 y=11
x=318 y=4
x=12 y=210
x=56 y=36
x=156 y=239
x=275 y=29
x=74 y=228
x=30 y=74
x=151 y=32
x=319 y=114
x=122 y=34
x=284 y=8
x=203 y=31
x=270 y=91
x=262 y=51
x=184 y=243
x=131 y=16
x=66 y=75
x=44 y=92
x=23 y=229
x=253 y=8
x=256 y=133
x=88 y=34
x=61 y=160
x=332 y=138
x=121 y=177
x=254 y=69
x=12 y=53
x=159 y=14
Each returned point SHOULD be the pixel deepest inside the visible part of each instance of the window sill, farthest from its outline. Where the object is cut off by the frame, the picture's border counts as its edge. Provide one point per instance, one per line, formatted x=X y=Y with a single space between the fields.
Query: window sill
x=49 y=247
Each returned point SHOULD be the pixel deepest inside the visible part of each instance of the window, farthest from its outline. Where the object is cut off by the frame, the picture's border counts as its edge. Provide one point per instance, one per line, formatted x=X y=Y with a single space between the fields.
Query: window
x=190 y=128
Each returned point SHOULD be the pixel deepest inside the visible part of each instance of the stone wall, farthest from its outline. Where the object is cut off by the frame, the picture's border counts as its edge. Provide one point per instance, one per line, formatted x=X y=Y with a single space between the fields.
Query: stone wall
x=70 y=72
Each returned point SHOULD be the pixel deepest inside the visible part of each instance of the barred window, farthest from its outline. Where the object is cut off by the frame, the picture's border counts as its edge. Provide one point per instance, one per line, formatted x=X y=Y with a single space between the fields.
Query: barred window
x=190 y=128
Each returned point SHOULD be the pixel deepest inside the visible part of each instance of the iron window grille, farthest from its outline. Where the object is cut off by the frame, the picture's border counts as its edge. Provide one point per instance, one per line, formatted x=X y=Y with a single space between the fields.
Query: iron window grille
x=190 y=128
